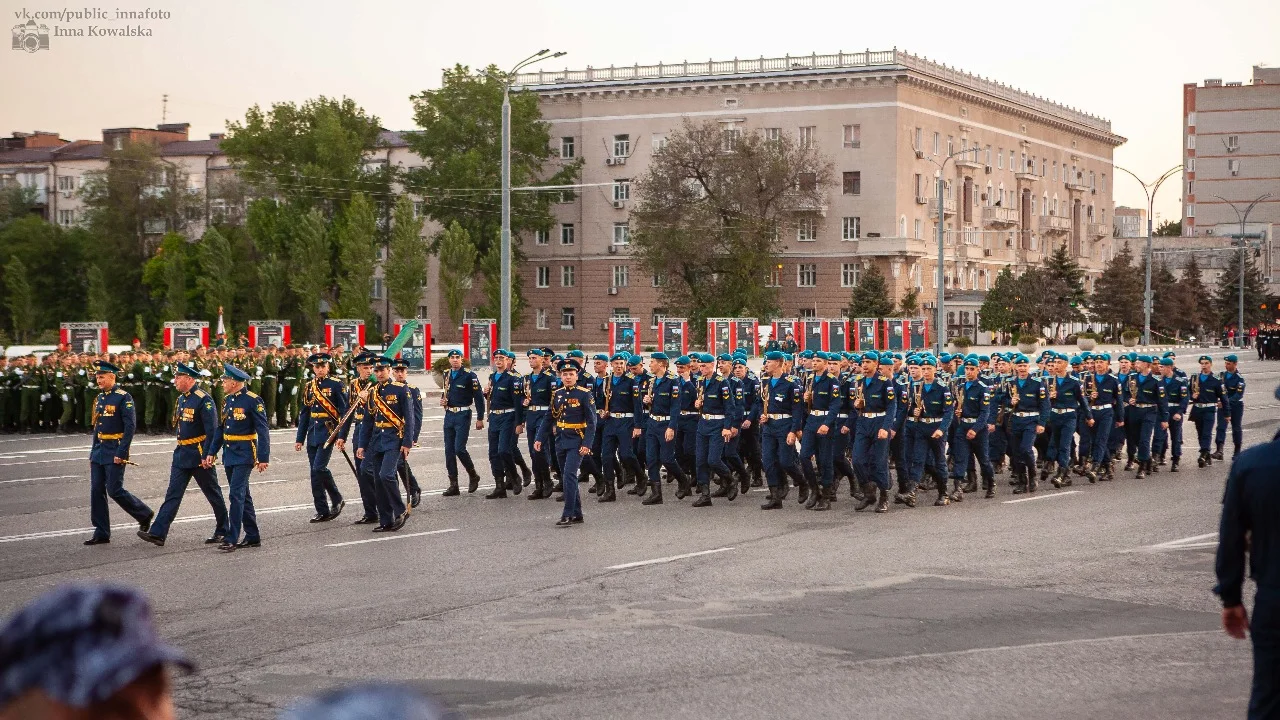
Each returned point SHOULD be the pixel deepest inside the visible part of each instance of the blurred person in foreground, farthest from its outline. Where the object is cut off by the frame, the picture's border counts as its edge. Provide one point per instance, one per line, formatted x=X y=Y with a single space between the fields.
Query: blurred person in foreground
x=371 y=701
x=86 y=651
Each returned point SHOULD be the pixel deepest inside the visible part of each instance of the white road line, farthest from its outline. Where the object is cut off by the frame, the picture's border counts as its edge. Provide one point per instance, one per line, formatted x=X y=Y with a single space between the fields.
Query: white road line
x=673 y=558
x=1041 y=497
x=392 y=537
x=125 y=526
x=48 y=477
x=1187 y=543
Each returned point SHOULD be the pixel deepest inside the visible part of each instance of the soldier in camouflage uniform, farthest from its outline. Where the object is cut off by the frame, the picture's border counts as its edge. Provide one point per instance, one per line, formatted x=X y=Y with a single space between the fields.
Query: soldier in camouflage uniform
x=134 y=382
x=287 y=405
x=32 y=387
x=271 y=366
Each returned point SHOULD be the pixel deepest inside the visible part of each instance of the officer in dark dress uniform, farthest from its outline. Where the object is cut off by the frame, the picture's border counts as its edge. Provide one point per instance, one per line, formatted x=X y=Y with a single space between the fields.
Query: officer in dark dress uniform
x=572 y=418
x=687 y=432
x=359 y=420
x=246 y=444
x=506 y=422
x=462 y=390
x=113 y=425
x=197 y=424
x=400 y=373
x=1232 y=406
x=1205 y=393
x=782 y=419
x=385 y=441
x=324 y=402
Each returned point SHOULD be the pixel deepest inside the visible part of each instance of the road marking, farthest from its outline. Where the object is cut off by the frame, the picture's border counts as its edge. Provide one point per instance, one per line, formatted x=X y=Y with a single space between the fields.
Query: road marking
x=673 y=558
x=125 y=526
x=1041 y=497
x=47 y=477
x=1207 y=540
x=392 y=537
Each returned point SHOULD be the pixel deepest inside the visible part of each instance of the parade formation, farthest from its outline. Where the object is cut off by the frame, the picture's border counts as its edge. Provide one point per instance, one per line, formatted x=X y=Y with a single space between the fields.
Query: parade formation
x=899 y=429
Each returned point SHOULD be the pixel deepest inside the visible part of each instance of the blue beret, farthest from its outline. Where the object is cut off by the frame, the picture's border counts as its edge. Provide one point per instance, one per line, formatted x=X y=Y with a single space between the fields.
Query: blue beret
x=945 y=357
x=739 y=360
x=102 y=366
x=1021 y=359
x=659 y=356
x=235 y=373
x=774 y=355
x=929 y=360
x=370 y=700
x=81 y=644
x=788 y=357
x=725 y=357
x=740 y=353
x=556 y=358
x=971 y=362
x=1143 y=358
x=1205 y=357
x=634 y=360
x=506 y=354
x=1106 y=357
x=1133 y=357
x=855 y=357
x=807 y=355
x=600 y=357
x=1076 y=360
x=1167 y=362
x=984 y=358
x=871 y=355
x=576 y=354
x=683 y=360
x=184 y=369
x=1231 y=358
x=1169 y=354
x=533 y=352
x=624 y=357
x=455 y=353
x=365 y=358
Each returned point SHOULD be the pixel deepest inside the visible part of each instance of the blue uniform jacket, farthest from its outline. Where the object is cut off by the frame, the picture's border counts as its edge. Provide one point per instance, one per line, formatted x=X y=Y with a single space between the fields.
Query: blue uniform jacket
x=1177 y=394
x=783 y=396
x=718 y=399
x=1151 y=392
x=415 y=402
x=391 y=418
x=902 y=391
x=620 y=396
x=825 y=401
x=1069 y=394
x=463 y=390
x=936 y=400
x=879 y=395
x=324 y=402
x=1032 y=397
x=246 y=436
x=1209 y=391
x=507 y=393
x=537 y=389
x=198 y=428
x=1232 y=386
x=1109 y=391
x=975 y=402
x=573 y=417
x=1250 y=521
x=667 y=400
x=113 y=423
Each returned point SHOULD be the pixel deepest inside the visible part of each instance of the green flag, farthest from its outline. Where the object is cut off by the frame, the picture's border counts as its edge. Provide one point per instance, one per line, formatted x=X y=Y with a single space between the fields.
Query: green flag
x=402 y=339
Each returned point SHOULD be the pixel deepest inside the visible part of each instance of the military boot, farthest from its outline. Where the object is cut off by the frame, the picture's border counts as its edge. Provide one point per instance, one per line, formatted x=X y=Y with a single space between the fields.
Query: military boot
x=942 y=498
x=1022 y=482
x=775 y=500
x=1217 y=455
x=744 y=483
x=682 y=487
x=882 y=506
x=823 y=503
x=722 y=487
x=868 y=497
x=499 y=489
x=990 y=484
x=704 y=498
x=1142 y=470
x=730 y=487
x=803 y=492
x=957 y=495
x=815 y=494
x=452 y=490
x=655 y=495
x=1129 y=465
x=1173 y=465
x=971 y=480
x=782 y=489
x=1203 y=459
x=608 y=493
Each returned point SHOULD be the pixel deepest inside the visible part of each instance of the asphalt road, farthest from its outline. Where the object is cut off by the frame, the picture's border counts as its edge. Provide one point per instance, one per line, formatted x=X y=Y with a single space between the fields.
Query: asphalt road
x=1092 y=601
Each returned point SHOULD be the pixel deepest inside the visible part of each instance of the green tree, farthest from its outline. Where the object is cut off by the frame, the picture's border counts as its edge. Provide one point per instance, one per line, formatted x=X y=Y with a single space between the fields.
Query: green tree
x=357 y=255
x=909 y=305
x=309 y=268
x=1188 y=307
x=98 y=304
x=55 y=259
x=273 y=280
x=996 y=313
x=170 y=277
x=140 y=329
x=16 y=202
x=406 y=266
x=270 y=225
x=217 y=279
x=715 y=212
x=1226 y=299
x=491 y=269
x=1117 y=294
x=871 y=296
x=19 y=299
x=1068 y=281
x=457 y=267
x=460 y=140
x=1169 y=228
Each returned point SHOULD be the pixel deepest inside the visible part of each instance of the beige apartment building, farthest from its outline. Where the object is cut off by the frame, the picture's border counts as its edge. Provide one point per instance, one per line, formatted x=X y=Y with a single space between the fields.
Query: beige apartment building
x=1025 y=175
x=1130 y=222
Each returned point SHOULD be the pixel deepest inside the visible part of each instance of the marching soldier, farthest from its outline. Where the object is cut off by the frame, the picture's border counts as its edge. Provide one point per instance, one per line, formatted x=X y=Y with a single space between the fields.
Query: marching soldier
x=1206 y=397
x=385 y=441
x=931 y=410
x=246 y=445
x=538 y=388
x=661 y=404
x=324 y=403
x=714 y=402
x=1069 y=409
x=1232 y=406
x=1103 y=392
x=973 y=415
x=506 y=422
x=572 y=419
x=875 y=407
x=197 y=425
x=113 y=427
x=749 y=441
x=823 y=402
x=1169 y=440
x=1027 y=403
x=362 y=379
x=400 y=373
x=782 y=420
x=462 y=389
x=1147 y=399
x=687 y=429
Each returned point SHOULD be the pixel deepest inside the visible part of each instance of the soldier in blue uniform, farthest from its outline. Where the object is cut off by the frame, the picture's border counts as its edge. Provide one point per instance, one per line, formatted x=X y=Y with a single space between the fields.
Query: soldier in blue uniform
x=875 y=403
x=360 y=418
x=506 y=422
x=640 y=380
x=782 y=418
x=973 y=416
x=749 y=444
x=197 y=424
x=1068 y=409
x=1120 y=435
x=1102 y=390
x=400 y=373
x=842 y=441
x=898 y=438
x=617 y=413
x=1146 y=398
x=113 y=425
x=931 y=411
x=385 y=442
x=1027 y=403
x=572 y=418
x=1205 y=392
x=246 y=444
x=537 y=403
x=715 y=403
x=823 y=403
x=725 y=365
x=662 y=412
x=462 y=389
x=687 y=431
x=593 y=464
x=323 y=404
x=1232 y=406
x=1169 y=440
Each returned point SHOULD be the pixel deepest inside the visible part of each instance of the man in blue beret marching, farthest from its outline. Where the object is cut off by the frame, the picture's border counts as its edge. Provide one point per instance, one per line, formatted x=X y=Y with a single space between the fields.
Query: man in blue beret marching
x=875 y=405
x=1206 y=397
x=662 y=410
x=386 y=442
x=1177 y=394
x=617 y=413
x=360 y=418
x=246 y=445
x=1232 y=406
x=1103 y=392
x=324 y=402
x=1027 y=404
x=198 y=427
x=537 y=402
x=973 y=415
x=1147 y=399
x=461 y=390
x=113 y=425
x=782 y=418
x=715 y=404
x=930 y=414
x=506 y=422
x=1069 y=409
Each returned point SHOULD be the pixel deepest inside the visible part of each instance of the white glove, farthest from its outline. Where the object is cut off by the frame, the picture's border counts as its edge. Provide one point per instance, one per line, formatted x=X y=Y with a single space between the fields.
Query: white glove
x=147 y=368
x=130 y=376
x=45 y=397
x=65 y=398
x=166 y=368
x=295 y=391
x=59 y=374
x=81 y=372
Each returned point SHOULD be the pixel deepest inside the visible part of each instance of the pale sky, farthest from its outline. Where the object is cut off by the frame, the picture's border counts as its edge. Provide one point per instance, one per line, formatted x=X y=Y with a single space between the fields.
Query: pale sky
x=1125 y=60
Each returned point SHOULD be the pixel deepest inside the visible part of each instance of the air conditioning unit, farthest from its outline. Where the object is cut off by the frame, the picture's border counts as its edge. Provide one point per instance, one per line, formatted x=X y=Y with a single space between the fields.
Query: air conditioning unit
x=919 y=154
x=987 y=169
x=619 y=204
x=608 y=161
x=67 y=193
x=922 y=200
x=620 y=160
x=613 y=249
x=613 y=291
x=986 y=252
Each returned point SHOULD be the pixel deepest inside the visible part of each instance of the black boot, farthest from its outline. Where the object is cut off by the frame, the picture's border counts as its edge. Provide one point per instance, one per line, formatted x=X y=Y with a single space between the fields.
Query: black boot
x=1173 y=465
x=971 y=481
x=783 y=488
x=704 y=499
x=991 y=487
x=608 y=493
x=1142 y=470
x=1217 y=455
x=452 y=490
x=624 y=476
x=1057 y=478
x=814 y=494
x=1129 y=465
x=957 y=495
x=541 y=487
x=942 y=498
x=731 y=487
x=744 y=483
x=655 y=495
x=682 y=487
x=882 y=506
x=775 y=500
x=823 y=502
x=499 y=489
x=1203 y=459
x=803 y=492
x=1020 y=481
x=869 y=495
x=473 y=481
x=1090 y=474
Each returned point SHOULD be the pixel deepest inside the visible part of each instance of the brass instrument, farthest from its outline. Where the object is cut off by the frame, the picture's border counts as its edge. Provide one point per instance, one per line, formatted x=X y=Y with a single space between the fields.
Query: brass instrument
x=1053 y=388
x=528 y=389
x=808 y=390
x=957 y=396
x=764 y=398
x=608 y=393
x=1013 y=395
x=488 y=390
x=1195 y=387
x=1000 y=411
x=648 y=393
x=859 y=394
x=917 y=391
x=702 y=387
x=1133 y=388
x=1091 y=386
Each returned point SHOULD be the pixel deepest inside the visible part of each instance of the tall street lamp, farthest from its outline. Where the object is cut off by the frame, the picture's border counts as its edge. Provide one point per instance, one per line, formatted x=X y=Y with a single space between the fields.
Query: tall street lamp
x=504 y=323
x=1150 y=189
x=941 y=320
x=1243 y=218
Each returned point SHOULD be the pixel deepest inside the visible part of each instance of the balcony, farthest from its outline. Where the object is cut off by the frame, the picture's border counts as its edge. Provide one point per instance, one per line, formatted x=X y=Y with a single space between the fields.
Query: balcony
x=948 y=206
x=894 y=247
x=1078 y=186
x=1098 y=231
x=968 y=161
x=999 y=216
x=1052 y=224
x=1028 y=176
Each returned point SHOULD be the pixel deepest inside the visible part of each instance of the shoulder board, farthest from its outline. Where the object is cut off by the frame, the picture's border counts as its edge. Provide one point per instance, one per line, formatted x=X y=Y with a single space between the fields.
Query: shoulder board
x=397 y=383
x=251 y=394
x=671 y=376
x=118 y=391
x=719 y=376
x=199 y=393
x=630 y=375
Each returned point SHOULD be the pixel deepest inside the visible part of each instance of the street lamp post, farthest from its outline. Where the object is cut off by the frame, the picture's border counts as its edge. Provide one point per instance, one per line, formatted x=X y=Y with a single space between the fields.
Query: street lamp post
x=1243 y=218
x=941 y=319
x=504 y=323
x=1150 y=189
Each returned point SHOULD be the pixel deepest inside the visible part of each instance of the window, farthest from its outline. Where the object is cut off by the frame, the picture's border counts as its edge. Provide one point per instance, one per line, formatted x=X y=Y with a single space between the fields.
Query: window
x=774 y=278
x=540 y=318
x=1233 y=143
x=566 y=234
x=807 y=313
x=1055 y=170
x=541 y=237
x=951 y=145
x=919 y=140
x=729 y=138
x=567 y=278
x=1191 y=187
x=117 y=143
x=1104 y=182
x=848 y=275
x=916 y=233
x=1190 y=164
x=852 y=136
x=1233 y=166
x=659 y=142
x=566 y=152
x=1000 y=158
x=731 y=102
x=66 y=217
x=806 y=135
x=66 y=182
x=919 y=186
x=806 y=275
x=621 y=145
x=418 y=206
x=655 y=316
x=658 y=280
x=772 y=134
x=621 y=276
x=544 y=276
x=1191 y=211
x=937 y=143
x=850 y=228
x=621 y=189
x=853 y=182
x=1191 y=119
x=621 y=233
x=902 y=226
x=805 y=230
x=566 y=318
x=1093 y=181
x=807 y=182
x=1191 y=142
x=620 y=314
x=376 y=291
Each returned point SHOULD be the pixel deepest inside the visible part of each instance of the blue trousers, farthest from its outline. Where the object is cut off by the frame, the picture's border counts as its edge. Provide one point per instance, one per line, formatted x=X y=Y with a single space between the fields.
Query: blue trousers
x=541 y=460
x=382 y=464
x=1145 y=420
x=365 y=480
x=1062 y=430
x=1104 y=425
x=567 y=454
x=687 y=441
x=323 y=488
x=977 y=447
x=1022 y=442
x=1264 y=631
x=998 y=444
x=107 y=481
x=457 y=429
x=660 y=453
x=1204 y=419
x=1168 y=440
x=615 y=447
x=1118 y=433
x=502 y=447
x=841 y=442
x=1234 y=414
x=709 y=453
x=870 y=453
x=776 y=455
x=241 y=509
x=819 y=447
x=179 y=478
x=927 y=452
